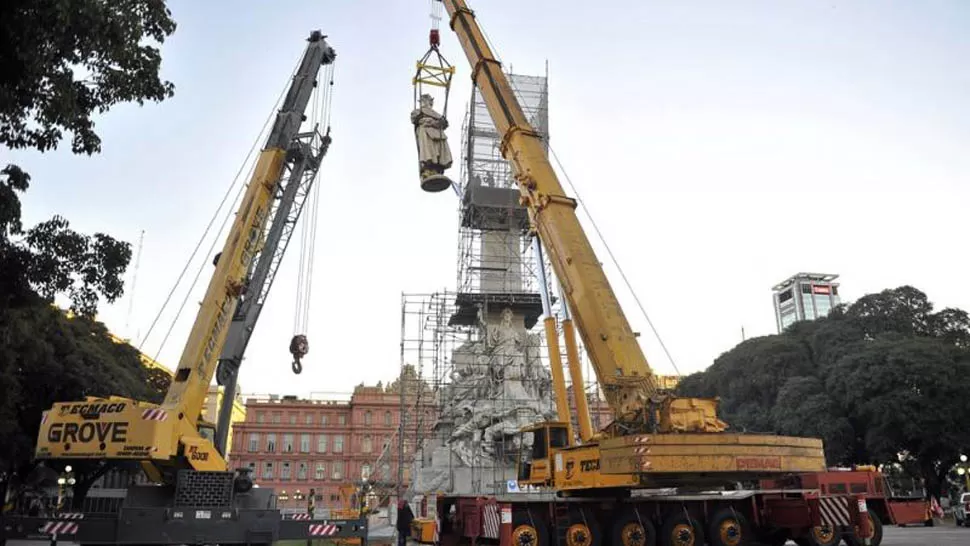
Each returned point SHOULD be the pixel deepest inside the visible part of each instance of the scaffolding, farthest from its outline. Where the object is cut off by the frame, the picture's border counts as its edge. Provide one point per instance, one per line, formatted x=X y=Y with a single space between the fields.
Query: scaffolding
x=480 y=348
x=493 y=253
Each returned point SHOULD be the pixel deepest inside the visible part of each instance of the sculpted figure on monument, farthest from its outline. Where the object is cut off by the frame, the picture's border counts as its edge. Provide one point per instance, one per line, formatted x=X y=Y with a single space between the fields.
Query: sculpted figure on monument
x=434 y=155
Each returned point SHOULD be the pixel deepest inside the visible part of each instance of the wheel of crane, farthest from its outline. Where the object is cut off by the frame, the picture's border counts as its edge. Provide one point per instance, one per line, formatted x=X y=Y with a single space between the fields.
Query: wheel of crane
x=633 y=528
x=529 y=529
x=583 y=528
x=679 y=529
x=824 y=535
x=875 y=533
x=728 y=527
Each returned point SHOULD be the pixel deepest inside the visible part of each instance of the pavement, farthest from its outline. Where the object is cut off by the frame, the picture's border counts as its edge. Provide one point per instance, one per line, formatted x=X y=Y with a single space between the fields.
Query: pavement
x=944 y=535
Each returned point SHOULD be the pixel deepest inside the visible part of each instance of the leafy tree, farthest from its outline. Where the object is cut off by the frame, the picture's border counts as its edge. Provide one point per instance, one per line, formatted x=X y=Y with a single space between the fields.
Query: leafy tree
x=880 y=380
x=63 y=61
x=48 y=356
x=50 y=258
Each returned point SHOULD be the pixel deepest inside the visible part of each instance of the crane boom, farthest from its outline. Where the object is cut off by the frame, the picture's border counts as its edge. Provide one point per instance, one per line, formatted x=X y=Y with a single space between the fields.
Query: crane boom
x=207 y=337
x=618 y=361
x=167 y=438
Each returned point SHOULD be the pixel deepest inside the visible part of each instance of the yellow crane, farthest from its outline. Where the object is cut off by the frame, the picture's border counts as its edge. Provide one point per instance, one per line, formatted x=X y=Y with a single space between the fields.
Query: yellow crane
x=171 y=437
x=656 y=438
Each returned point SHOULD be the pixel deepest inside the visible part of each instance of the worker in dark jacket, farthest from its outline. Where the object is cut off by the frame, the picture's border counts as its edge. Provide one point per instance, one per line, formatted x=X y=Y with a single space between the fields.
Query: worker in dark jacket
x=404 y=518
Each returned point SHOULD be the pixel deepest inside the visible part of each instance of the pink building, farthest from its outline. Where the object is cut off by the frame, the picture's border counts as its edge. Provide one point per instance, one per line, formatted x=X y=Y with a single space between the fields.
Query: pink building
x=295 y=445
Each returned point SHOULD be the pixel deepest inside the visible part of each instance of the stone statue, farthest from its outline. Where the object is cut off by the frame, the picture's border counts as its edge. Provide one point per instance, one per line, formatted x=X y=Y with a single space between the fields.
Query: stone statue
x=434 y=155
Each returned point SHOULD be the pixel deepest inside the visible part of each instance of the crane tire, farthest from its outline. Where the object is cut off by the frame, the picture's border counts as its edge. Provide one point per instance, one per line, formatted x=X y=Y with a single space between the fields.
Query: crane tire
x=632 y=529
x=679 y=529
x=875 y=539
x=728 y=527
x=531 y=529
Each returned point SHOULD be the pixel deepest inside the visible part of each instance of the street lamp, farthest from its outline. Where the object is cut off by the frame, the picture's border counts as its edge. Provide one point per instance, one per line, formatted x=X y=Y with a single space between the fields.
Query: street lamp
x=66 y=479
x=964 y=470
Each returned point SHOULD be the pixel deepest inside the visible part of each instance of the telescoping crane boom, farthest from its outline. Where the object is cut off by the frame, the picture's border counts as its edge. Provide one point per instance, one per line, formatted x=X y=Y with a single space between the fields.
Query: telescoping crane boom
x=171 y=436
x=655 y=436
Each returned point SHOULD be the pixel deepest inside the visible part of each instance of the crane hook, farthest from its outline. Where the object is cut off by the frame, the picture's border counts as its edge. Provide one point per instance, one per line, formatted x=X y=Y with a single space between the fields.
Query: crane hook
x=299 y=347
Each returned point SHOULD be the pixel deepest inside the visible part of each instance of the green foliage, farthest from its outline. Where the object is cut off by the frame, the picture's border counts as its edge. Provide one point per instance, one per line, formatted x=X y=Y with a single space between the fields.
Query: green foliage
x=64 y=61
x=48 y=356
x=51 y=258
x=882 y=378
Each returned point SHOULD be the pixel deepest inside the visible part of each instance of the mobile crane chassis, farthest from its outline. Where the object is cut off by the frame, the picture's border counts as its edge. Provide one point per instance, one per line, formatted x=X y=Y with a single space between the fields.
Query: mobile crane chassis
x=196 y=499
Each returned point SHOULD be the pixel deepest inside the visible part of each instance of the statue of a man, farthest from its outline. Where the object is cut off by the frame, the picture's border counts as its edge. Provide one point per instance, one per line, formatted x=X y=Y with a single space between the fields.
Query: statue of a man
x=434 y=155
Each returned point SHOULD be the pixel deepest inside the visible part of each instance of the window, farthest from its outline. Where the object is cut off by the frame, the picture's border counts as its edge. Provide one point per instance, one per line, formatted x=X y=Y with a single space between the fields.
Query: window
x=558 y=437
x=301 y=470
x=367 y=445
x=260 y=417
x=784 y=296
x=858 y=488
x=365 y=472
x=253 y=441
x=386 y=472
x=285 y=472
x=287 y=443
x=322 y=443
x=276 y=417
x=338 y=444
x=387 y=418
x=252 y=470
x=304 y=443
x=367 y=417
x=292 y=418
x=271 y=443
x=539 y=444
x=407 y=446
x=321 y=472
x=342 y=419
x=387 y=442
x=268 y=471
x=324 y=420
x=338 y=470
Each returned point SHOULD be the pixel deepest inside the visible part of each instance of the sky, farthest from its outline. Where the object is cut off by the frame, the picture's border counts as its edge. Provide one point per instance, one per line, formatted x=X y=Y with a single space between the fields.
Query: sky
x=720 y=146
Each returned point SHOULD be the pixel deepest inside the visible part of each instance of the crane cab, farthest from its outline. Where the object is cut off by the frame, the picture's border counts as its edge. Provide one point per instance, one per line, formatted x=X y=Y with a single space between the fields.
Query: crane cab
x=538 y=445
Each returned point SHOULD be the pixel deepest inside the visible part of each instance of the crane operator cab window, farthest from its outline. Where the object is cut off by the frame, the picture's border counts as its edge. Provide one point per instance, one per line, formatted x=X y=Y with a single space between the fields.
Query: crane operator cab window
x=536 y=444
x=207 y=430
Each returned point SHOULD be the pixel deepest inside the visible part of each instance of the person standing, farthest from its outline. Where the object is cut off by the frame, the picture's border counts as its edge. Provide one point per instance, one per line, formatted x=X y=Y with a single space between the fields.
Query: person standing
x=404 y=518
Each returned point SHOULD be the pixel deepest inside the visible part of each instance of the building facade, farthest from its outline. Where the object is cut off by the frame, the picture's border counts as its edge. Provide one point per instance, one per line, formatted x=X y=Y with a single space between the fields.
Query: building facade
x=805 y=296
x=296 y=445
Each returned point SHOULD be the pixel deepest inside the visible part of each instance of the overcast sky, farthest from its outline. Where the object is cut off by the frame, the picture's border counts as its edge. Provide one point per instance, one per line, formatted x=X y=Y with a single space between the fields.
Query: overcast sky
x=721 y=147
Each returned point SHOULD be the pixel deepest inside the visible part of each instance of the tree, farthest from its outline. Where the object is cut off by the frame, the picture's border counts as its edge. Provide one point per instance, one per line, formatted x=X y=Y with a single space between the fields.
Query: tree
x=880 y=380
x=47 y=356
x=50 y=258
x=63 y=61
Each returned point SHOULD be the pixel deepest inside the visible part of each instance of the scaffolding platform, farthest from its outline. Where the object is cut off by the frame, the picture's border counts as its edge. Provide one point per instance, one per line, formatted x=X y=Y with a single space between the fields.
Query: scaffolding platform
x=492 y=208
x=468 y=304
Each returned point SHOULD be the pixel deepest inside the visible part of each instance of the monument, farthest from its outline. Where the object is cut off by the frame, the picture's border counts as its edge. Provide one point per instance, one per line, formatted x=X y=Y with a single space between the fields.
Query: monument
x=493 y=380
x=434 y=155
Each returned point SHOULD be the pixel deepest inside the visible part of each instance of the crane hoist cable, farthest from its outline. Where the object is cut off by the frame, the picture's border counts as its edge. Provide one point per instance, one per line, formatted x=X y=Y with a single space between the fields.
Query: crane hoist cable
x=299 y=344
x=433 y=70
x=599 y=234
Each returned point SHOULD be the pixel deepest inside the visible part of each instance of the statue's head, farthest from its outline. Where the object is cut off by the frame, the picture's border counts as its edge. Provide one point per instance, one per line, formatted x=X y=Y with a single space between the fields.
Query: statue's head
x=427 y=101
